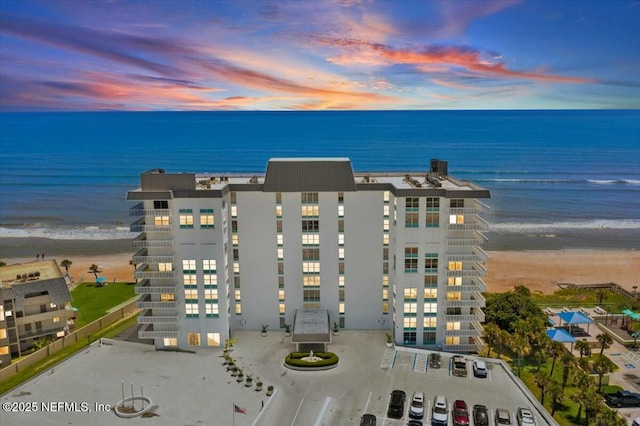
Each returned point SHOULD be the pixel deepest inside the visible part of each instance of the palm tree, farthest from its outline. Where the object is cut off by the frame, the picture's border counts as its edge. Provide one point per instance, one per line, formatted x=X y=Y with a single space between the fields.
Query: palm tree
x=609 y=417
x=66 y=264
x=635 y=332
x=582 y=346
x=520 y=345
x=556 y=392
x=585 y=396
x=503 y=339
x=602 y=366
x=94 y=269
x=605 y=340
x=556 y=349
x=600 y=293
x=491 y=336
x=593 y=404
x=568 y=362
x=542 y=380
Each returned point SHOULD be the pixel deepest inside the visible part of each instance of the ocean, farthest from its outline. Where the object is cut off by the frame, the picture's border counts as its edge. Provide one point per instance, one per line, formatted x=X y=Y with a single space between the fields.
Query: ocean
x=557 y=178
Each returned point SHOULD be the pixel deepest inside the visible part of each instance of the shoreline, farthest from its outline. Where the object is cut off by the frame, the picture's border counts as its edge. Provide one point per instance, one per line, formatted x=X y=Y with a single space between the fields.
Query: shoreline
x=538 y=269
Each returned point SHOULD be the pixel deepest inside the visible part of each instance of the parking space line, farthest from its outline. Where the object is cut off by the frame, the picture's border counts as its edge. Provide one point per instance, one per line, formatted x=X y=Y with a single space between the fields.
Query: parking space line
x=297 y=412
x=367 y=404
x=327 y=402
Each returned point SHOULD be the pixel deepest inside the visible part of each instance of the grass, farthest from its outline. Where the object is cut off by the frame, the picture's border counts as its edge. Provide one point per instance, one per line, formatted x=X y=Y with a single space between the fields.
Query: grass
x=63 y=354
x=574 y=297
x=93 y=302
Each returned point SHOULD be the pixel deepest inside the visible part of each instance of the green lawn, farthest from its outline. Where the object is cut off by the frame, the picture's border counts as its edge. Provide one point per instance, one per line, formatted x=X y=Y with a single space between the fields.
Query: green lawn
x=568 y=297
x=93 y=302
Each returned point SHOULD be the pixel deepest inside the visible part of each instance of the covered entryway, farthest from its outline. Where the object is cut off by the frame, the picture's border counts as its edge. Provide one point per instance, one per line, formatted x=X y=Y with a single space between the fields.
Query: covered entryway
x=311 y=331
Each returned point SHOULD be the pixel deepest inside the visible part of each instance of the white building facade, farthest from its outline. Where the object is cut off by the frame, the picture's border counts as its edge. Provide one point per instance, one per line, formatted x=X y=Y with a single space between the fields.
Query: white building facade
x=391 y=251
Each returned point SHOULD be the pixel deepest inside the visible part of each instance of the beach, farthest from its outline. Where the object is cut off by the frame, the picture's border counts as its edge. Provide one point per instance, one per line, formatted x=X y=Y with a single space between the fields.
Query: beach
x=539 y=270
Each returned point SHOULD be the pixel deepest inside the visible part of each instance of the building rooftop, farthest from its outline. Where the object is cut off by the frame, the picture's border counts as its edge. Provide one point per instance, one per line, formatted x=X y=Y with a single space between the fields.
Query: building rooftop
x=35 y=271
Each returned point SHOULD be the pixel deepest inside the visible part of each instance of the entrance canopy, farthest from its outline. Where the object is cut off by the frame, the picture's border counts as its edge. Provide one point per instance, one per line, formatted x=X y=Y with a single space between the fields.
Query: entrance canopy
x=311 y=326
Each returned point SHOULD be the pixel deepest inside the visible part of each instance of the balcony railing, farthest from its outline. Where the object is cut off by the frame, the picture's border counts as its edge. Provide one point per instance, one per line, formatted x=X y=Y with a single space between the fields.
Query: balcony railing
x=464 y=258
x=139 y=210
x=480 y=225
x=482 y=287
x=142 y=257
x=156 y=305
x=468 y=303
x=463 y=348
x=158 y=319
x=142 y=242
x=476 y=240
x=464 y=288
x=157 y=275
x=465 y=211
x=141 y=226
x=467 y=332
x=147 y=289
x=475 y=317
x=147 y=332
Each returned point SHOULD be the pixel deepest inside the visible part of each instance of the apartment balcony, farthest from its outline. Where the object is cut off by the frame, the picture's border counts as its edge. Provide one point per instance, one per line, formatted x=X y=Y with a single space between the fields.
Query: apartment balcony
x=482 y=287
x=465 y=211
x=467 y=332
x=146 y=303
x=468 y=348
x=147 y=289
x=471 y=257
x=149 y=318
x=476 y=240
x=477 y=316
x=139 y=210
x=36 y=334
x=141 y=241
x=42 y=317
x=147 y=332
x=142 y=256
x=143 y=272
x=466 y=303
x=477 y=225
x=141 y=226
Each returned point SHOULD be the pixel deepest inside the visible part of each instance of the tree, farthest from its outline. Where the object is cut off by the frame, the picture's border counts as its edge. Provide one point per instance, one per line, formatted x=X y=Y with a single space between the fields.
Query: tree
x=609 y=417
x=505 y=309
x=66 y=264
x=585 y=396
x=94 y=270
x=491 y=336
x=601 y=366
x=635 y=332
x=600 y=293
x=542 y=380
x=520 y=342
x=556 y=349
x=3 y=264
x=503 y=340
x=582 y=346
x=605 y=340
x=568 y=362
x=556 y=392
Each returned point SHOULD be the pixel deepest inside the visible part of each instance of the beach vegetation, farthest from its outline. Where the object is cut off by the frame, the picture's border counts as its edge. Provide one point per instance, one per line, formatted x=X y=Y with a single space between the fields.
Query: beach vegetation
x=505 y=309
x=94 y=269
x=3 y=264
x=613 y=303
x=92 y=302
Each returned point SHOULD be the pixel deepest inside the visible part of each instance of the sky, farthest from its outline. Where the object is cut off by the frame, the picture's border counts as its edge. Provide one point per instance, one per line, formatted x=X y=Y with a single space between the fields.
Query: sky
x=318 y=55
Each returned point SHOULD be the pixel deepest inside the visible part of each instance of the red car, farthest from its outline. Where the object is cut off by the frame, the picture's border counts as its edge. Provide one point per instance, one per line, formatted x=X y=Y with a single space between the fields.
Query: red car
x=460 y=413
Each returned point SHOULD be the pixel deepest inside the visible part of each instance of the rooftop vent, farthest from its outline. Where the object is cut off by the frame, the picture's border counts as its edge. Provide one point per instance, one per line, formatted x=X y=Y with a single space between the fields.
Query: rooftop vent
x=413 y=182
x=439 y=167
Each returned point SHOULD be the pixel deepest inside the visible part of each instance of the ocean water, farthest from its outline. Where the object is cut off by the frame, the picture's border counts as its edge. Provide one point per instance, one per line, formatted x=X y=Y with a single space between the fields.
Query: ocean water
x=574 y=174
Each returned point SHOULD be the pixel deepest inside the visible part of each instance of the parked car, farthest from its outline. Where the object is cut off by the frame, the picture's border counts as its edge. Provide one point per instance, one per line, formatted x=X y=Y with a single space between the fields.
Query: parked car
x=460 y=413
x=434 y=360
x=368 y=420
x=479 y=369
x=413 y=422
x=416 y=409
x=459 y=366
x=503 y=417
x=525 y=417
x=636 y=422
x=480 y=415
x=623 y=398
x=396 y=404
x=440 y=413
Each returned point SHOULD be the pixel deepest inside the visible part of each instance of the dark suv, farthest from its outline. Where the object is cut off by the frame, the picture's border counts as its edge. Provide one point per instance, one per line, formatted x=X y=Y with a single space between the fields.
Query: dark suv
x=434 y=360
x=396 y=404
x=623 y=399
x=368 y=420
x=480 y=415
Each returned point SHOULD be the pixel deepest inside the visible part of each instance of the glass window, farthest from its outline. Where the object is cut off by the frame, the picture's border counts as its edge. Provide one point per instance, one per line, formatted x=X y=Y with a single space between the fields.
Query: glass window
x=433 y=203
x=411 y=220
x=431 y=262
x=457 y=203
x=161 y=221
x=430 y=322
x=310 y=226
x=207 y=220
x=412 y=203
x=310 y=210
x=186 y=221
x=432 y=220
x=430 y=308
x=411 y=293
x=309 y=197
x=191 y=309
x=340 y=210
x=193 y=339
x=409 y=322
x=189 y=265
x=170 y=341
x=213 y=339
x=209 y=265
x=430 y=293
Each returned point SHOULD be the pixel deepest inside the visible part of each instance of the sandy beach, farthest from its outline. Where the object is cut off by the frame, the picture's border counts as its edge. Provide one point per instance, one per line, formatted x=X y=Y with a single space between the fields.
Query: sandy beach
x=539 y=270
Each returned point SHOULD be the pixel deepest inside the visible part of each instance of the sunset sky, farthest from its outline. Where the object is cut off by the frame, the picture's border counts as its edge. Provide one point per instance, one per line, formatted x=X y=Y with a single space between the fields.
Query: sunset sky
x=318 y=54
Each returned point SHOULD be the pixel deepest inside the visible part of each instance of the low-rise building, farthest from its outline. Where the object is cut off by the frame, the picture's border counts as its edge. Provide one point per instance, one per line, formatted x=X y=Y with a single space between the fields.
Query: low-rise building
x=34 y=300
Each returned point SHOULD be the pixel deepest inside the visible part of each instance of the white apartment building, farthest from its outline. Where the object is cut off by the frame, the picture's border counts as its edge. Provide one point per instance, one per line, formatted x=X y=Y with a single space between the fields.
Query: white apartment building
x=391 y=251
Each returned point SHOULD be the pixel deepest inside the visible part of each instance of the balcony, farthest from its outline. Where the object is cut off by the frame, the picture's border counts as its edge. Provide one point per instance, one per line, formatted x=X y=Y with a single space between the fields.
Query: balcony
x=464 y=258
x=157 y=319
x=477 y=240
x=139 y=210
x=469 y=348
x=465 y=211
x=141 y=226
x=467 y=332
x=478 y=316
x=147 y=289
x=142 y=256
x=468 y=303
x=147 y=303
x=141 y=242
x=147 y=332
x=35 y=334
x=478 y=225
x=144 y=273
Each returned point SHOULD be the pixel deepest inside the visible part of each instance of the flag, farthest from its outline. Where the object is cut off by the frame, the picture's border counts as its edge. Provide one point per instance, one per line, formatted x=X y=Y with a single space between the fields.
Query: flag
x=240 y=410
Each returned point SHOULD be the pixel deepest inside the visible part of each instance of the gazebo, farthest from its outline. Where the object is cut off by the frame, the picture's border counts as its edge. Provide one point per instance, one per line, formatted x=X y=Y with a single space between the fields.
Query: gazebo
x=572 y=318
x=561 y=335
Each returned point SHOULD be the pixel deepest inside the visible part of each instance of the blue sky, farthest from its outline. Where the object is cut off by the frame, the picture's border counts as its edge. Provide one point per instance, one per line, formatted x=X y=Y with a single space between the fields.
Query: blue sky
x=318 y=54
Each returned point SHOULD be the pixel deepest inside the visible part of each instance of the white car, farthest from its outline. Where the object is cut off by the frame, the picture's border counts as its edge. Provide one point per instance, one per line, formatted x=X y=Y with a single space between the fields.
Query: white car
x=525 y=417
x=440 y=413
x=416 y=409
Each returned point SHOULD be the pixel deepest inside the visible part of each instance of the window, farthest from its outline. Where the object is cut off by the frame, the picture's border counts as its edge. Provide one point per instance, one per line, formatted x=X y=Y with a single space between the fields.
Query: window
x=341 y=281
x=161 y=204
x=409 y=322
x=429 y=338
x=282 y=309
x=385 y=253
x=411 y=259
x=189 y=279
x=454 y=295
x=452 y=340
x=170 y=341
x=340 y=225
x=210 y=279
x=340 y=239
x=340 y=210
x=234 y=210
x=385 y=294
x=209 y=265
x=280 y=268
x=165 y=267
x=281 y=295
x=189 y=266
x=191 y=309
x=412 y=203
x=1 y=312
x=385 y=238
x=411 y=220
x=280 y=239
x=341 y=294
x=430 y=280
x=236 y=267
x=278 y=197
x=340 y=197
x=410 y=293
x=457 y=203
x=431 y=262
x=433 y=203
x=311 y=239
x=238 y=309
x=456 y=219
x=410 y=308
x=237 y=295
x=310 y=226
x=454 y=311
x=55 y=319
x=190 y=294
x=234 y=226
x=385 y=210
x=280 y=253
x=430 y=293
x=309 y=197
x=341 y=253
x=453 y=325
x=167 y=297
x=211 y=310
x=455 y=266
x=311 y=254
x=455 y=281
x=430 y=308
x=385 y=196
x=207 y=219
x=432 y=220
x=430 y=322
x=311 y=295
x=186 y=218
x=161 y=221
x=341 y=268
x=385 y=225
x=385 y=307
x=234 y=239
x=310 y=210
x=341 y=308
x=311 y=267
x=278 y=211
x=193 y=339
x=210 y=294
x=213 y=339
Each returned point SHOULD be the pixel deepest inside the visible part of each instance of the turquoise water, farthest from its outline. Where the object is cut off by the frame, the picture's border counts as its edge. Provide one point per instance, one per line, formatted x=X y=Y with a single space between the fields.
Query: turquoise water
x=550 y=172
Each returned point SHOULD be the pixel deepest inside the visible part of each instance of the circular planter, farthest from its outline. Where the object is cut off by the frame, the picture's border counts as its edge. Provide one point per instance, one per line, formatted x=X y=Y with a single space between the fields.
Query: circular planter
x=129 y=412
x=299 y=361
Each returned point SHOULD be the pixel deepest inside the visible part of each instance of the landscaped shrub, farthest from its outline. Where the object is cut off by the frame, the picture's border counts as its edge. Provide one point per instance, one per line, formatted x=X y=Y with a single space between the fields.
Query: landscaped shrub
x=327 y=358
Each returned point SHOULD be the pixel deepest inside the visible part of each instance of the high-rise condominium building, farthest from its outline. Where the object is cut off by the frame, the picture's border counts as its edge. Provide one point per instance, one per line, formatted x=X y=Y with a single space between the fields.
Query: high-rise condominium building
x=391 y=251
